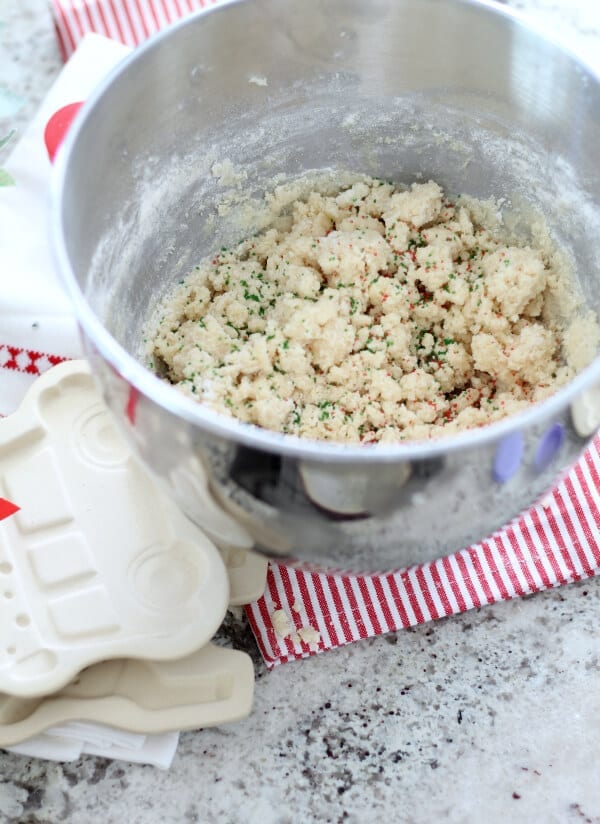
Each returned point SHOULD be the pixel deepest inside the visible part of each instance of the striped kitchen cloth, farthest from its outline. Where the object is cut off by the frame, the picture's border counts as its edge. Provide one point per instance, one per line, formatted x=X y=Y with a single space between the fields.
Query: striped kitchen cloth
x=128 y=21
x=302 y=613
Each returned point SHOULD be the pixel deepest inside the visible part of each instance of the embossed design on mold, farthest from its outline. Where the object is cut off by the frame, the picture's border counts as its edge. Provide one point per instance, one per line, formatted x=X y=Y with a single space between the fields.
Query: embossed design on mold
x=32 y=666
x=165 y=578
x=51 y=506
x=86 y=613
x=62 y=559
x=98 y=441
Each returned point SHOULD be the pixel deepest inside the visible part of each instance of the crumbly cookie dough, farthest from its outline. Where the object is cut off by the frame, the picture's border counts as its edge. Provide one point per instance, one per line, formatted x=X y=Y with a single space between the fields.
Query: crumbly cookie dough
x=374 y=315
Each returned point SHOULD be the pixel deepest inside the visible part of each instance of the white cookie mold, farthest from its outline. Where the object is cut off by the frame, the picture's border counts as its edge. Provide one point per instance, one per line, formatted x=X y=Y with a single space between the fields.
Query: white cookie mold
x=209 y=687
x=97 y=562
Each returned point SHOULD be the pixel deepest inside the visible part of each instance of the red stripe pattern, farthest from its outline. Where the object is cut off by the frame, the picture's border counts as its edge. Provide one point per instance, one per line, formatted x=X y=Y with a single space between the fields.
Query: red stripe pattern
x=128 y=21
x=29 y=361
x=554 y=543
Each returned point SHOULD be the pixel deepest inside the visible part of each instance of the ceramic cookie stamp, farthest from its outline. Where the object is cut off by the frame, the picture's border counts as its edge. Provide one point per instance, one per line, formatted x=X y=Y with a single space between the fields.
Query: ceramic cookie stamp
x=209 y=687
x=95 y=561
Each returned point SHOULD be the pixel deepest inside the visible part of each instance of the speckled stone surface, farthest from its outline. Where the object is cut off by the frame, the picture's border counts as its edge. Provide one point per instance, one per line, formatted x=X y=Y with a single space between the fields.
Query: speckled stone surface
x=29 y=61
x=492 y=716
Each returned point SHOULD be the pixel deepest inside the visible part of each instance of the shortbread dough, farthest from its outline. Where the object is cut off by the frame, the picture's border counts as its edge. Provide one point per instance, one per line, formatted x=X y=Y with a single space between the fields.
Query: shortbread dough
x=375 y=314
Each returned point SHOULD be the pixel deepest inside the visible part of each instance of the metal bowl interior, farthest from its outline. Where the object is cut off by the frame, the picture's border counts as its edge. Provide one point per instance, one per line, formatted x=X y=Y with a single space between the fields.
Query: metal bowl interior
x=461 y=92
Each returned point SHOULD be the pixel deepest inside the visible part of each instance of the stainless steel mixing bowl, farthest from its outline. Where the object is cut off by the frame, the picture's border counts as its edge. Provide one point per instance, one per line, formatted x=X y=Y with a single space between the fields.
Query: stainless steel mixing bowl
x=461 y=92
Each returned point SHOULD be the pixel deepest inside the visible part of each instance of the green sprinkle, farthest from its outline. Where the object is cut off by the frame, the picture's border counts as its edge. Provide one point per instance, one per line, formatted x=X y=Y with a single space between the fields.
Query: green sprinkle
x=323 y=406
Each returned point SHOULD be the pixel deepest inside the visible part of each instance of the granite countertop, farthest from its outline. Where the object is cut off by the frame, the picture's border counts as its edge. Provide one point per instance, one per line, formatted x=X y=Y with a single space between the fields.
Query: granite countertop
x=490 y=716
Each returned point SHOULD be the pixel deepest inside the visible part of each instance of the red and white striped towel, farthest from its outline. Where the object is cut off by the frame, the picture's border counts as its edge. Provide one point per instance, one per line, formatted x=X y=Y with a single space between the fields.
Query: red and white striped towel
x=554 y=543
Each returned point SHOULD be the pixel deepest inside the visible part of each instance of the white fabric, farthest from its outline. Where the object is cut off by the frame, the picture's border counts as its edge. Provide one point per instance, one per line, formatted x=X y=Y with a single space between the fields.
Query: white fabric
x=157 y=750
x=34 y=311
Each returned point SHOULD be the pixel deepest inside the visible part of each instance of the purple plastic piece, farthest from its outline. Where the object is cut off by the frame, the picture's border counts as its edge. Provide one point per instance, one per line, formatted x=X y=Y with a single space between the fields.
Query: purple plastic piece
x=551 y=442
x=509 y=454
